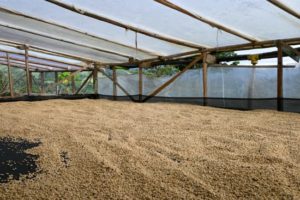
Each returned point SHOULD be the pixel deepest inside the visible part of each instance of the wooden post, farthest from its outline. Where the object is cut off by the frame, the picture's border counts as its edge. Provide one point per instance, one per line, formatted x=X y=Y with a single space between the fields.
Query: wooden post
x=204 y=79
x=279 y=78
x=140 y=83
x=30 y=81
x=95 y=80
x=117 y=84
x=11 y=87
x=42 y=82
x=27 y=71
x=56 y=82
x=73 y=84
x=114 y=77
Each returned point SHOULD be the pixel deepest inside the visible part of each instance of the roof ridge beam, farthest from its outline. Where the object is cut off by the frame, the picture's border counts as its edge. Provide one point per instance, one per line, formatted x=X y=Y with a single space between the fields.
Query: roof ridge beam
x=208 y=21
x=80 y=32
x=285 y=8
x=126 y=26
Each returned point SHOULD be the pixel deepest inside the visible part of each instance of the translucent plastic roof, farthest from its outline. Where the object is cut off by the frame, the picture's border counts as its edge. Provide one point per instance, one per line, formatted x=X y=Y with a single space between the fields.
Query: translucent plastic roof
x=116 y=31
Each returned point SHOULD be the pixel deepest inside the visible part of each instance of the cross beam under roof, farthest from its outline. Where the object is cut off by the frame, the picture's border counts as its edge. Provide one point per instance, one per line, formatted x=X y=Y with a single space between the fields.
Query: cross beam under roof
x=285 y=8
x=207 y=21
x=126 y=26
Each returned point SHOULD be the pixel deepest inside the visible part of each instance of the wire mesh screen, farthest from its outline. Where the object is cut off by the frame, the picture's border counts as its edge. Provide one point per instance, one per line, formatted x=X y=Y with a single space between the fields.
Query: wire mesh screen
x=19 y=81
x=228 y=87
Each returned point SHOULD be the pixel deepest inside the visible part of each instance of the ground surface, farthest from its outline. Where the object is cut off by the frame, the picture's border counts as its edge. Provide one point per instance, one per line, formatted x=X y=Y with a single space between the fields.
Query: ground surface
x=100 y=149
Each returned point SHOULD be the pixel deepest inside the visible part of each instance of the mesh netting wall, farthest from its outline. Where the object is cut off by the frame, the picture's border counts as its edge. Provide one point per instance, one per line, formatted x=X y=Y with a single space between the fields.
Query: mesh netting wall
x=228 y=87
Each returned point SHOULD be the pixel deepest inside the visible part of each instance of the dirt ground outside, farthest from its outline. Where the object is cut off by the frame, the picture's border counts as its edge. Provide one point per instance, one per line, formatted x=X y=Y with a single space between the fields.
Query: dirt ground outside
x=101 y=149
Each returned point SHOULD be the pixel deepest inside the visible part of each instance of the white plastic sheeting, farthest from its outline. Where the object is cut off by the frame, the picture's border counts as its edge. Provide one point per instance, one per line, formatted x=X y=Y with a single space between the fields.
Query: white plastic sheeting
x=223 y=82
x=257 y=19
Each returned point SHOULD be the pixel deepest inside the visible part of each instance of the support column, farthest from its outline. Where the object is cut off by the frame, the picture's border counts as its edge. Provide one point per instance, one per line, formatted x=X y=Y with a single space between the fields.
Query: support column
x=73 y=84
x=56 y=82
x=204 y=79
x=30 y=81
x=11 y=87
x=43 y=82
x=114 y=77
x=95 y=80
x=140 y=83
x=27 y=72
x=279 y=77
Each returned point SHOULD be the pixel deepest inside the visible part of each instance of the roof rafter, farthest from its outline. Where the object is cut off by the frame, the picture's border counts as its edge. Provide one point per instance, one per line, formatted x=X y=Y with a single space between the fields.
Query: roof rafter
x=22 y=66
x=20 y=62
x=39 y=63
x=285 y=8
x=79 y=31
x=207 y=21
x=50 y=52
x=126 y=26
x=42 y=58
x=63 y=40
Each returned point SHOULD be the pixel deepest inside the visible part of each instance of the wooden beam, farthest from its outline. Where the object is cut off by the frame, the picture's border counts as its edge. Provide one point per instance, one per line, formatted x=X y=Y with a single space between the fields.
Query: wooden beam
x=245 y=46
x=279 y=78
x=33 y=63
x=42 y=82
x=171 y=80
x=144 y=51
x=194 y=53
x=30 y=80
x=291 y=52
x=10 y=80
x=126 y=26
x=47 y=51
x=95 y=80
x=114 y=78
x=27 y=72
x=285 y=8
x=68 y=78
x=120 y=86
x=43 y=58
x=56 y=82
x=20 y=66
x=204 y=78
x=140 y=83
x=65 y=41
x=84 y=83
x=73 y=84
x=207 y=21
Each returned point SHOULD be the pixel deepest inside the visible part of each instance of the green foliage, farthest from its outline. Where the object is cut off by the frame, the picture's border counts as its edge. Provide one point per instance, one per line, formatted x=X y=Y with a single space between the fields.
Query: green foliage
x=3 y=81
x=229 y=54
x=160 y=71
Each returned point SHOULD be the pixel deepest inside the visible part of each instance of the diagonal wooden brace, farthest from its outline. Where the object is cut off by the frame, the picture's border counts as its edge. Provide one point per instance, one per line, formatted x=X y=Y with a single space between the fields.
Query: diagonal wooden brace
x=159 y=89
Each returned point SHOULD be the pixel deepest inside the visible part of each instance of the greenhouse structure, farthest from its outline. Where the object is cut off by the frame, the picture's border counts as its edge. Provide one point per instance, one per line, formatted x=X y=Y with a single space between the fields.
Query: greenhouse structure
x=78 y=49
